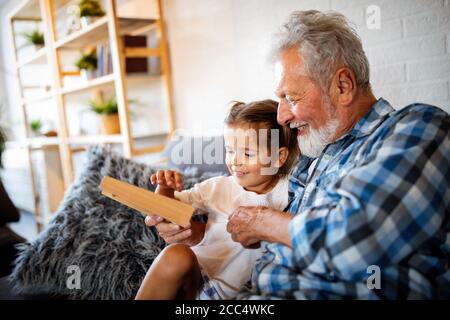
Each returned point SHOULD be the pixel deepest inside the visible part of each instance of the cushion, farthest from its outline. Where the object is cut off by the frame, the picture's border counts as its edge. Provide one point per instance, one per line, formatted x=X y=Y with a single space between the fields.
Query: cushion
x=106 y=243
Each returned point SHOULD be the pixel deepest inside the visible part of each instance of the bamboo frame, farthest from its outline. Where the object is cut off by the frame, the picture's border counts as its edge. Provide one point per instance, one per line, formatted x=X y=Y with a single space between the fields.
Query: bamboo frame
x=114 y=27
x=54 y=62
x=36 y=203
x=167 y=74
x=118 y=60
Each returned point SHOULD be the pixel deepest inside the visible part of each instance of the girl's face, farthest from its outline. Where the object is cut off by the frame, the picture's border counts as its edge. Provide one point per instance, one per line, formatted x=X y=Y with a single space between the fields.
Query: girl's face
x=249 y=163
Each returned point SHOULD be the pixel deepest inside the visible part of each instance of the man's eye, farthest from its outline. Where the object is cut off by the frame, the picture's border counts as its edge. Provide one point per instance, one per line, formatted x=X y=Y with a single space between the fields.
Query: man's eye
x=291 y=101
x=250 y=154
x=229 y=151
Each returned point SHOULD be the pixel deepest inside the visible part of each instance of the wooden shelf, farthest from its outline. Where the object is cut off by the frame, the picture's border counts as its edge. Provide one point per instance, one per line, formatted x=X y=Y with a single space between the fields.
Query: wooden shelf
x=115 y=138
x=96 y=139
x=94 y=83
x=18 y=144
x=27 y=10
x=98 y=32
x=142 y=52
x=149 y=134
x=133 y=79
x=107 y=80
x=41 y=98
x=38 y=57
x=40 y=142
x=146 y=150
x=34 y=143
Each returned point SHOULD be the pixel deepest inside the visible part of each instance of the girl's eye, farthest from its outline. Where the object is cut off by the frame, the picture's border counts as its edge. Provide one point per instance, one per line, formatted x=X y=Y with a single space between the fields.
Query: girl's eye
x=250 y=154
x=229 y=151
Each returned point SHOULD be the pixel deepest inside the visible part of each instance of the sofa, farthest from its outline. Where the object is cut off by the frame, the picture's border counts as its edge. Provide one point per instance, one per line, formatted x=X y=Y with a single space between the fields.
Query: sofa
x=94 y=247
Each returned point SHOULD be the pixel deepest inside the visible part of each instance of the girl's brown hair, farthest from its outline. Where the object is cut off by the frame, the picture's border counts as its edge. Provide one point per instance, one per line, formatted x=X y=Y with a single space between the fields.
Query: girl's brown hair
x=263 y=115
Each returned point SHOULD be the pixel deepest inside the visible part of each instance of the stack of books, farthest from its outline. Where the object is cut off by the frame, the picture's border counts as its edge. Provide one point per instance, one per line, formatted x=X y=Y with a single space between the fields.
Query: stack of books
x=104 y=61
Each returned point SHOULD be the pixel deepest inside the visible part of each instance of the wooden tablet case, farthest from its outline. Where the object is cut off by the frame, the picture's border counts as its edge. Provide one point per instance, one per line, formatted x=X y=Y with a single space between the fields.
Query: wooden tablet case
x=146 y=201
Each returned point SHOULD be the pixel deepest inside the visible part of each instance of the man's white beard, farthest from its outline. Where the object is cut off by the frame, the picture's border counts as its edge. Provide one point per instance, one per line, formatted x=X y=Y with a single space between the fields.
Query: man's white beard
x=314 y=142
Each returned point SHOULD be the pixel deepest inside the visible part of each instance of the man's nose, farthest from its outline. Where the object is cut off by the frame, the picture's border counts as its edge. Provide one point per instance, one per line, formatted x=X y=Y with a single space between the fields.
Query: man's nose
x=284 y=115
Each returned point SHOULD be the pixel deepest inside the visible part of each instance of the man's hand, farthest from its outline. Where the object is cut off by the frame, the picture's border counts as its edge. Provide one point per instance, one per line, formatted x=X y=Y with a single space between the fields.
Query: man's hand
x=173 y=233
x=250 y=225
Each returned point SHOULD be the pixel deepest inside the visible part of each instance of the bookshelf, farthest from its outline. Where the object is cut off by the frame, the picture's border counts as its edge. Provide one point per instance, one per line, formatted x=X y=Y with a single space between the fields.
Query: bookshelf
x=109 y=31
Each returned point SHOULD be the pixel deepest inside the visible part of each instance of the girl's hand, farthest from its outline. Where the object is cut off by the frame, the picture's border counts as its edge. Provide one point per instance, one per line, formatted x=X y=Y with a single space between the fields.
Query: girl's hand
x=167 y=180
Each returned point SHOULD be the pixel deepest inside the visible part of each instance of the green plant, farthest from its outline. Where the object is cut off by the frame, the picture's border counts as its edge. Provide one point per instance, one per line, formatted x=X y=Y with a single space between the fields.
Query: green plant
x=36 y=126
x=101 y=107
x=90 y=8
x=87 y=61
x=34 y=37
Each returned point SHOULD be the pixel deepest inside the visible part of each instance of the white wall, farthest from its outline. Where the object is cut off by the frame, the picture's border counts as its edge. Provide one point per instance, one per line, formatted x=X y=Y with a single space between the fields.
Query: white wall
x=218 y=51
x=10 y=88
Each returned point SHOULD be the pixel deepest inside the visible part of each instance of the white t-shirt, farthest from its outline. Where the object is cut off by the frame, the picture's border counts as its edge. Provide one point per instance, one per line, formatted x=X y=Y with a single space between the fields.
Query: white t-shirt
x=226 y=262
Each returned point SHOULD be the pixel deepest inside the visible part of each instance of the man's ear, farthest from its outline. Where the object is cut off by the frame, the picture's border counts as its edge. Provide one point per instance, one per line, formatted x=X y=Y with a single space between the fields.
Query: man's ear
x=343 y=87
x=283 y=154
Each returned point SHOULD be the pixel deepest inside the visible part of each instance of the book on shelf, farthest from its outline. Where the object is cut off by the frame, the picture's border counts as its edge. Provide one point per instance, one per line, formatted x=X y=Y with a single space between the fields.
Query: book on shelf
x=104 y=60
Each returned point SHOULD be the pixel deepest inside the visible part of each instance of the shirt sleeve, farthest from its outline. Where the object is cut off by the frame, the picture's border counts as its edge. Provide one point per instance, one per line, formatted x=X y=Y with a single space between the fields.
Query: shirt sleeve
x=200 y=195
x=386 y=207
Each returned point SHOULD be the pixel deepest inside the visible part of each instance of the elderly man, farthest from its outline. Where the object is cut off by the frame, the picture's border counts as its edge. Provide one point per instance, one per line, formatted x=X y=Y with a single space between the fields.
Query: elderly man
x=370 y=198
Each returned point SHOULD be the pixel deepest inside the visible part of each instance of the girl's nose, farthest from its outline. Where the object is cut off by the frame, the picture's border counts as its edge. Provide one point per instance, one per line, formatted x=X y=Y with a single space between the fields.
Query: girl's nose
x=284 y=115
x=235 y=161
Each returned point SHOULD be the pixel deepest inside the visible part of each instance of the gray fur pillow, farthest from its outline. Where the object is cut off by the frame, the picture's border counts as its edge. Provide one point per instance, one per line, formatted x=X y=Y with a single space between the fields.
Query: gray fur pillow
x=107 y=241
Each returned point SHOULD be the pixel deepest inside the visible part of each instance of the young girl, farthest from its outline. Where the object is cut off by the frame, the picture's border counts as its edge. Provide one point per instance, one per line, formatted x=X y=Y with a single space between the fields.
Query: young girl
x=217 y=267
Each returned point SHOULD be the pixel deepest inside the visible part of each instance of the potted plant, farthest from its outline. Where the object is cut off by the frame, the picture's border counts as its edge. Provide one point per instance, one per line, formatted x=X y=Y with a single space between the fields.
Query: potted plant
x=89 y=11
x=35 y=38
x=87 y=64
x=36 y=126
x=109 y=114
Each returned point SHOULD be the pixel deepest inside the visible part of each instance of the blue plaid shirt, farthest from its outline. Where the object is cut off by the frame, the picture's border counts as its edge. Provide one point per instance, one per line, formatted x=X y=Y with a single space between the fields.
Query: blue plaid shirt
x=379 y=197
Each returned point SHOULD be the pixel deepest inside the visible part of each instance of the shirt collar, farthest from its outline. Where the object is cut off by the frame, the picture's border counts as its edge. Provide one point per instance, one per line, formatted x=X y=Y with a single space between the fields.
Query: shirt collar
x=372 y=119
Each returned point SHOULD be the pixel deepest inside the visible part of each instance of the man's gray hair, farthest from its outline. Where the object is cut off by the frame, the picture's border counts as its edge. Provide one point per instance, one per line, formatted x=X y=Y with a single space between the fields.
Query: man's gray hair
x=327 y=42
